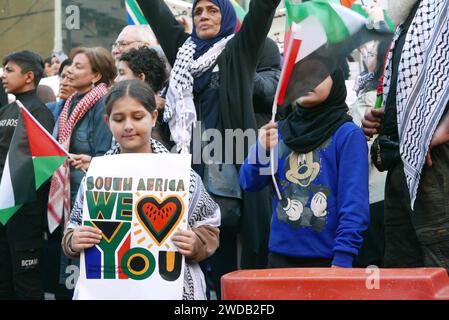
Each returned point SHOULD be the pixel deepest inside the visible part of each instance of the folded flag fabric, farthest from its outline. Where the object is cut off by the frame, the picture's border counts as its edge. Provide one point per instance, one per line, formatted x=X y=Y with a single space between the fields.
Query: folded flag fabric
x=32 y=158
x=240 y=12
x=321 y=34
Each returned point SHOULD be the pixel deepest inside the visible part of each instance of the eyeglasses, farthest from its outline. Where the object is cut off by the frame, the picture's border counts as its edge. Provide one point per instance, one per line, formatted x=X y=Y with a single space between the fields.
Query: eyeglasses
x=121 y=44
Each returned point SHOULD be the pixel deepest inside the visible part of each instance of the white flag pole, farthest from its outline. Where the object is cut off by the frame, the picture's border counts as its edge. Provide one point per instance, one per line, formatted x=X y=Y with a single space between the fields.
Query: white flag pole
x=273 y=116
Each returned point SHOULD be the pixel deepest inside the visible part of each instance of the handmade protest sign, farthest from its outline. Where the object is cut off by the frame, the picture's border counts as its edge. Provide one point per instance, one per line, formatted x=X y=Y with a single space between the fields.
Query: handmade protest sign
x=138 y=201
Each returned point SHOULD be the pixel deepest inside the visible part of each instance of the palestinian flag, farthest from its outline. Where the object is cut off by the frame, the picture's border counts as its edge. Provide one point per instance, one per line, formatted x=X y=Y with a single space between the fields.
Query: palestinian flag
x=240 y=12
x=321 y=34
x=32 y=158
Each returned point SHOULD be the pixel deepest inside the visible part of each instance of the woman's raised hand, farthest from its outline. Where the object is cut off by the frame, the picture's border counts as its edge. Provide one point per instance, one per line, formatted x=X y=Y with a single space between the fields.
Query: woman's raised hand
x=375 y=12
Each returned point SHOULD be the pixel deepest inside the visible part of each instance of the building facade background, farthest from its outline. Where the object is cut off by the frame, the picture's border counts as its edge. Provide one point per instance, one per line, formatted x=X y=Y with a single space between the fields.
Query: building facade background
x=26 y=25
x=30 y=24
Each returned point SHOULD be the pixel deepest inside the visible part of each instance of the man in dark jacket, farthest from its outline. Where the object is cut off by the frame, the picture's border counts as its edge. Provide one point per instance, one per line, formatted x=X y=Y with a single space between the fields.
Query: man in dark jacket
x=21 y=239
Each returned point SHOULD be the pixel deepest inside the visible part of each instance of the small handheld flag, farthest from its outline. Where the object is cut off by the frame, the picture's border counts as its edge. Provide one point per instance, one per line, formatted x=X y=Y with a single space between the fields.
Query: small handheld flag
x=33 y=157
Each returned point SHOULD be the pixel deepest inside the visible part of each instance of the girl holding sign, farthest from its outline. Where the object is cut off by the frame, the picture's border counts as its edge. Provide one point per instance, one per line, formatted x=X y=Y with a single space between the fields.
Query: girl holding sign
x=131 y=114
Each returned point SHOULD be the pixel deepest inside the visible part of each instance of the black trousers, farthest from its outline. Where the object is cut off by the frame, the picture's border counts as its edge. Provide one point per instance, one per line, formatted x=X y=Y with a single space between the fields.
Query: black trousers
x=21 y=242
x=253 y=226
x=373 y=247
x=223 y=261
x=276 y=260
x=54 y=262
x=418 y=238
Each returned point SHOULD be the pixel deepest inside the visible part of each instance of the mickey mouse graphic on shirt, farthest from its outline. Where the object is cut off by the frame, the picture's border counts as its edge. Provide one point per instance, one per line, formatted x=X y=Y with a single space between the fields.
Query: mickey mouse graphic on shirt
x=303 y=204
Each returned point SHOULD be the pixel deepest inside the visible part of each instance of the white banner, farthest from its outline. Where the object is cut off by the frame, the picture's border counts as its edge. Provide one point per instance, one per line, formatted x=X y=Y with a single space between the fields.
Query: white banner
x=138 y=201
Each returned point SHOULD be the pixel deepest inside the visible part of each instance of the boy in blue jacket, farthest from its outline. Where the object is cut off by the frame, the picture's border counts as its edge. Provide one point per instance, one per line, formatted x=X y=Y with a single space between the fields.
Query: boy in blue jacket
x=322 y=173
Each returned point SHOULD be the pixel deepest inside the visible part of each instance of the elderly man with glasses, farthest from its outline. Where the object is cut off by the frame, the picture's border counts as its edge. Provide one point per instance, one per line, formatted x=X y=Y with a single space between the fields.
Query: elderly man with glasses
x=133 y=37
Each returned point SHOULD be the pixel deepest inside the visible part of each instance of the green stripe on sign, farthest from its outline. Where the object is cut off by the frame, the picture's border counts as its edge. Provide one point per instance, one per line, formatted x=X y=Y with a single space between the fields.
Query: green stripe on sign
x=44 y=167
x=137 y=12
x=336 y=30
x=6 y=214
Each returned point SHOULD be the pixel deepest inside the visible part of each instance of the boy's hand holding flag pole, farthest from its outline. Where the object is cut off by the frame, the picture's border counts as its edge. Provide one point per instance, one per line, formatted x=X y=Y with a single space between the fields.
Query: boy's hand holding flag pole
x=33 y=157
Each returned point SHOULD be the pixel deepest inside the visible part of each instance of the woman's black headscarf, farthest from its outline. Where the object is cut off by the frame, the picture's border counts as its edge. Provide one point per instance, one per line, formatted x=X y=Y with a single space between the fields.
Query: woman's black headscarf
x=307 y=128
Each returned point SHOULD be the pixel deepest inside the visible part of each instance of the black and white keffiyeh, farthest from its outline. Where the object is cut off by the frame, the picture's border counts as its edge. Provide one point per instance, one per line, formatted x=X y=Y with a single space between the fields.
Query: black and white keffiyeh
x=180 y=110
x=203 y=210
x=422 y=86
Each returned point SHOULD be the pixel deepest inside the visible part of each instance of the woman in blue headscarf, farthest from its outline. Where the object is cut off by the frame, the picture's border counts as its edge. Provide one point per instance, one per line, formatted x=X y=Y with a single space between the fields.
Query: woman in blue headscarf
x=212 y=80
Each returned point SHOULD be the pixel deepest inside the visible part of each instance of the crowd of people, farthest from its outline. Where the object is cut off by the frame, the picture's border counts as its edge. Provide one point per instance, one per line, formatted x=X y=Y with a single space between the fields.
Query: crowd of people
x=359 y=185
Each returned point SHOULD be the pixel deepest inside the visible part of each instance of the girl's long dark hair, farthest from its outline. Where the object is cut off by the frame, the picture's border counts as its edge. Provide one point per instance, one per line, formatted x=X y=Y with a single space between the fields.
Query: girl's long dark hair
x=136 y=89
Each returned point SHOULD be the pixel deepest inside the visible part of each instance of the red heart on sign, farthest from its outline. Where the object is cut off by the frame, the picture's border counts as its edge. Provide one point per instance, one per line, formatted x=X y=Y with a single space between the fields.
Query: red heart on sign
x=158 y=217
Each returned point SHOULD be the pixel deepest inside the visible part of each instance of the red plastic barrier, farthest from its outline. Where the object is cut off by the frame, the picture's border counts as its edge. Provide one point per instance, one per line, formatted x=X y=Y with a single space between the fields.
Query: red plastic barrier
x=336 y=284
